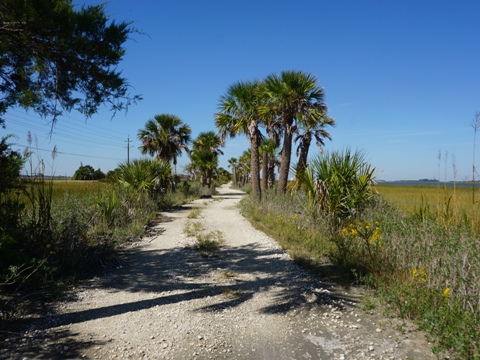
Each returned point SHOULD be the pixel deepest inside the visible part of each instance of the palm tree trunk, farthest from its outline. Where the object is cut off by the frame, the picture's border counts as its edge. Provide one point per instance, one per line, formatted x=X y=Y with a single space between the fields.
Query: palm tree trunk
x=271 y=172
x=264 y=171
x=255 y=161
x=234 y=175
x=286 y=155
x=208 y=177
x=304 y=147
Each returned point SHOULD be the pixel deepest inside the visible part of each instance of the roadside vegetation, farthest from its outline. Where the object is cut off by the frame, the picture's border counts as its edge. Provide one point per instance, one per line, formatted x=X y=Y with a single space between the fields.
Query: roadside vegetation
x=53 y=232
x=423 y=263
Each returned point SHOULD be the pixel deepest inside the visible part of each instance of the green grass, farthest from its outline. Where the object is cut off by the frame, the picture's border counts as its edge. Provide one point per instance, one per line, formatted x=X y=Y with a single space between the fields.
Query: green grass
x=193 y=228
x=194 y=213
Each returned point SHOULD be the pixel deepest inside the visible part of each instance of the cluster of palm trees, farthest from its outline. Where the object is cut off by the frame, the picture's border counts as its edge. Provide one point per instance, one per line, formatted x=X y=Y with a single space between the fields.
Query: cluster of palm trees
x=273 y=114
x=166 y=135
x=287 y=107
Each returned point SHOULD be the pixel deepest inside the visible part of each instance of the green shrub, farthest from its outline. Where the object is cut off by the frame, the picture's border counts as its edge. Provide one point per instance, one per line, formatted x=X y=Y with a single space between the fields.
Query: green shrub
x=152 y=176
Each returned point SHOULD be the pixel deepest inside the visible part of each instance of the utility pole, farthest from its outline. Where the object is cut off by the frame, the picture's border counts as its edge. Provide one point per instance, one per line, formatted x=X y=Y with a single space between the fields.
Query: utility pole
x=128 y=149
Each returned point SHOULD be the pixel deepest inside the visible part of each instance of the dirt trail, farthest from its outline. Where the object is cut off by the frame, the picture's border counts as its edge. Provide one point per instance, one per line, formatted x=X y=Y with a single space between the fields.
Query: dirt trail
x=249 y=302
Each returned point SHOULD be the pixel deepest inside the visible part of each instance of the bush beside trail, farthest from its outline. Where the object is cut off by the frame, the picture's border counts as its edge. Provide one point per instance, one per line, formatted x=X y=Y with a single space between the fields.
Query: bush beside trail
x=48 y=240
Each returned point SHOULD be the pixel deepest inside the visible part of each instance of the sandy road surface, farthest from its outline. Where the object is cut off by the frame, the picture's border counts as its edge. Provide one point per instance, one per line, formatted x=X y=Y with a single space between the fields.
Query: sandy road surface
x=248 y=302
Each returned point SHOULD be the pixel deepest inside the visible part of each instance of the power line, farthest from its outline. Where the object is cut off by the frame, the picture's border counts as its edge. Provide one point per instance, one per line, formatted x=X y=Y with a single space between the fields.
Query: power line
x=66 y=153
x=32 y=124
x=59 y=122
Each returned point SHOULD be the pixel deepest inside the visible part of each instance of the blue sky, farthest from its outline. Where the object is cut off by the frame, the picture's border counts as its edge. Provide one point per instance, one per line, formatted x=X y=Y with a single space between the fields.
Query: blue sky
x=401 y=78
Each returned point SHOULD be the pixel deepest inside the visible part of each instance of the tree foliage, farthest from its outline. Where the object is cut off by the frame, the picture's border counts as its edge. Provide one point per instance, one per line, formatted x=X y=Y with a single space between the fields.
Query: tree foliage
x=204 y=155
x=54 y=57
x=87 y=172
x=291 y=97
x=238 y=114
x=165 y=136
x=11 y=163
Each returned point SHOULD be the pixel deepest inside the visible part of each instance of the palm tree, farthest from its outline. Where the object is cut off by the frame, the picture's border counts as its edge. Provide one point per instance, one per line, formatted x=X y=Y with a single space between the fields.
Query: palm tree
x=208 y=141
x=238 y=115
x=233 y=163
x=308 y=130
x=204 y=155
x=244 y=166
x=165 y=136
x=206 y=163
x=292 y=96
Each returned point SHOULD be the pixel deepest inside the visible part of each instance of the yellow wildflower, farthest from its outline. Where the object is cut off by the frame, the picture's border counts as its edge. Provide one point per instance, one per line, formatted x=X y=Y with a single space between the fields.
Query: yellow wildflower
x=415 y=273
x=446 y=293
x=376 y=235
x=423 y=274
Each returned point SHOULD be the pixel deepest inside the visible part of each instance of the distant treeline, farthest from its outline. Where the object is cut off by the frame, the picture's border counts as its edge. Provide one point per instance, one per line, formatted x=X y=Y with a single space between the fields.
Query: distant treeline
x=427 y=182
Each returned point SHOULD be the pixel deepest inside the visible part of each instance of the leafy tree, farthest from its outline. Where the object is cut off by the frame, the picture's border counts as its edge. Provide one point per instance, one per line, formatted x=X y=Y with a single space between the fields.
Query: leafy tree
x=309 y=129
x=11 y=163
x=84 y=172
x=290 y=97
x=165 y=136
x=54 y=57
x=98 y=174
x=239 y=115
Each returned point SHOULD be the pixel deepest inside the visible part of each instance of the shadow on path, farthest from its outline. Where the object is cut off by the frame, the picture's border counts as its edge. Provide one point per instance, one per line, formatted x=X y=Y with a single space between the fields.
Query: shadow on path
x=188 y=275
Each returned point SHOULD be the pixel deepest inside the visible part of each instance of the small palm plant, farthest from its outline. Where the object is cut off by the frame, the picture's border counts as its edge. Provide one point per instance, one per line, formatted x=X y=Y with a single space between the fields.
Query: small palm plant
x=338 y=184
x=146 y=175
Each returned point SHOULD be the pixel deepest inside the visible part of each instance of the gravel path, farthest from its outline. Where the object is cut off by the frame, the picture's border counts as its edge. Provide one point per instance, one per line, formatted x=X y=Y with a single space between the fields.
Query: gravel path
x=249 y=301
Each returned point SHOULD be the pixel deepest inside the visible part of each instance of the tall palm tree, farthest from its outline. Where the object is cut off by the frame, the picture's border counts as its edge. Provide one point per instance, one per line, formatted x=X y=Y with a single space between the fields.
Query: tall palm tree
x=233 y=163
x=309 y=129
x=165 y=136
x=238 y=115
x=289 y=97
x=204 y=155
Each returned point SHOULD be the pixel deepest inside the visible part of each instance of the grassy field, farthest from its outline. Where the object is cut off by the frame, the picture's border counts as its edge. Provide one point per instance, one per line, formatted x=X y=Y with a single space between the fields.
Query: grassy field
x=79 y=187
x=450 y=205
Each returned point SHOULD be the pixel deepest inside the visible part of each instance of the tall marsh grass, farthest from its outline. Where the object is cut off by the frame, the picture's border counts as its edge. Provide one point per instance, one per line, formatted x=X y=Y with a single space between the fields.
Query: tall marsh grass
x=448 y=205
